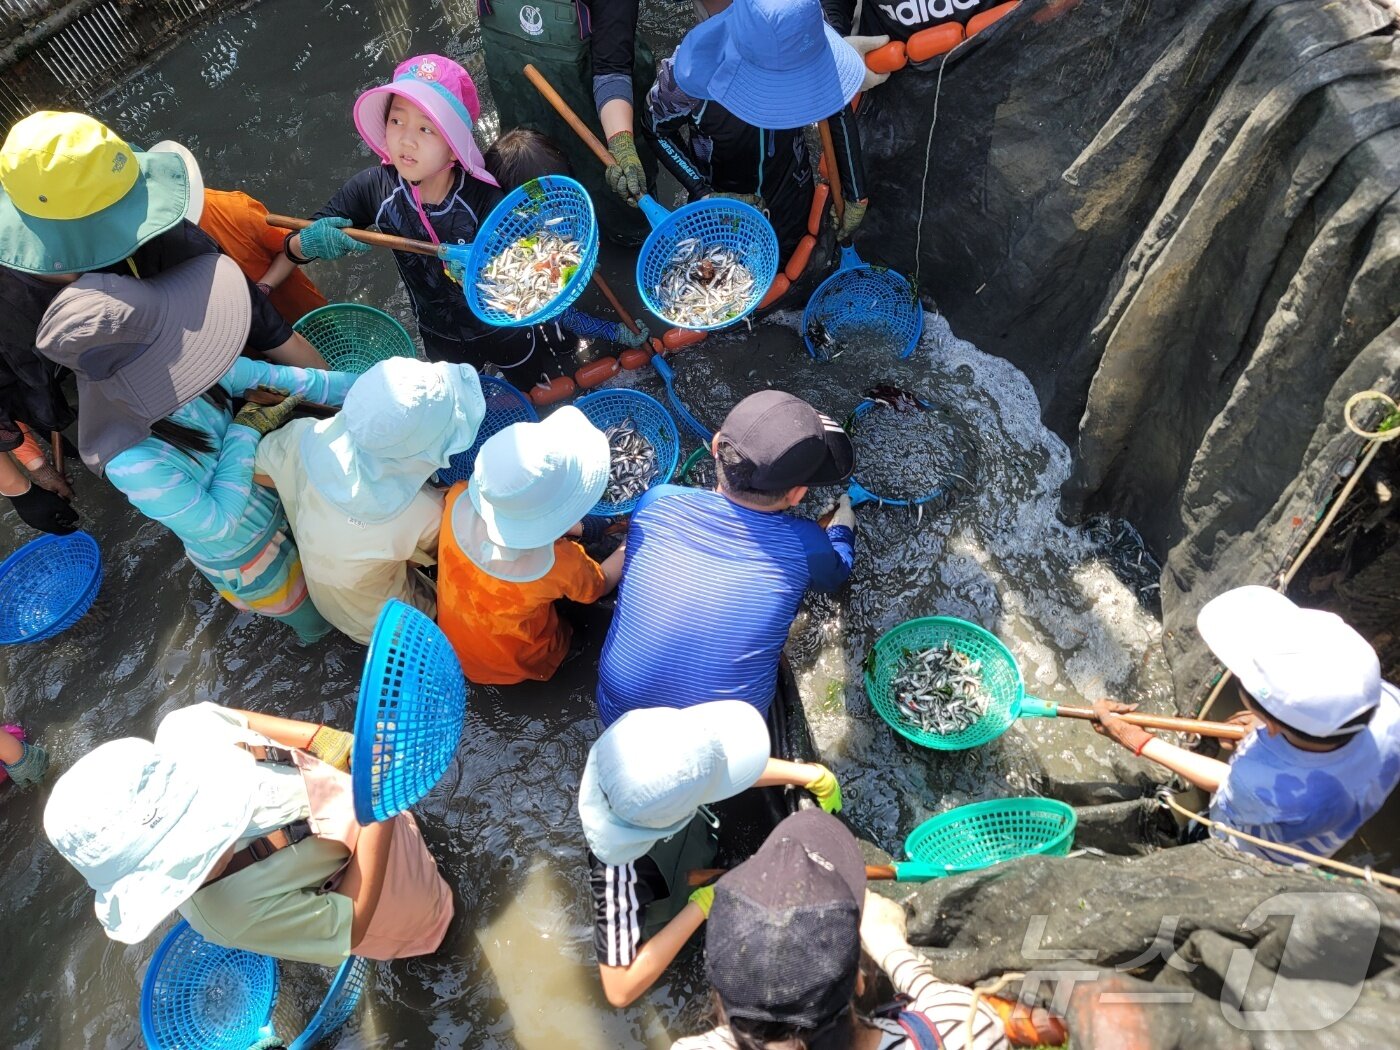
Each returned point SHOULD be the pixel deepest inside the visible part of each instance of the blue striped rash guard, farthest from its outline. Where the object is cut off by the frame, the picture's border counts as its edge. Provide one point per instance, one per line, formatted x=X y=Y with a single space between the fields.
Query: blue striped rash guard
x=709 y=591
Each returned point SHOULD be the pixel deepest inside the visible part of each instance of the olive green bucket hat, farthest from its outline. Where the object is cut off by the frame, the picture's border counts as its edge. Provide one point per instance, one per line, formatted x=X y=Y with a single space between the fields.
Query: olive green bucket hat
x=74 y=196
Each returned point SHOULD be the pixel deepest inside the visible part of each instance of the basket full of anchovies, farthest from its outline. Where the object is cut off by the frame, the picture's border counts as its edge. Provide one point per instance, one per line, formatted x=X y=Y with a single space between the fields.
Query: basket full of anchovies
x=703 y=286
x=530 y=273
x=939 y=690
x=634 y=463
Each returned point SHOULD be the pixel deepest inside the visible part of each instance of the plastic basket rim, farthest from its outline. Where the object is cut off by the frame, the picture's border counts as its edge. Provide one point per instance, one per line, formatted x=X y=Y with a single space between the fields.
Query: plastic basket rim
x=490 y=383
x=814 y=300
x=394 y=611
x=572 y=289
x=975 y=809
x=918 y=736
x=866 y=406
x=336 y=309
x=313 y=1029
x=89 y=593
x=761 y=281
x=153 y=968
x=663 y=476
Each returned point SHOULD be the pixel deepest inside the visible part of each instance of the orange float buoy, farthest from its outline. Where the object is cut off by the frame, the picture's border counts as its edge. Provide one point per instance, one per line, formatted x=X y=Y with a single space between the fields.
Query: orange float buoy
x=816 y=217
x=595 y=372
x=887 y=59
x=680 y=338
x=553 y=392
x=637 y=357
x=780 y=288
x=934 y=41
x=797 y=263
x=977 y=23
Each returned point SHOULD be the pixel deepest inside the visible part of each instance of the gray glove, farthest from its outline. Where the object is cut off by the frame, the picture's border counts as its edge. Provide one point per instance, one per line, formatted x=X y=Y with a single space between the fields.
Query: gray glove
x=844 y=514
x=32 y=765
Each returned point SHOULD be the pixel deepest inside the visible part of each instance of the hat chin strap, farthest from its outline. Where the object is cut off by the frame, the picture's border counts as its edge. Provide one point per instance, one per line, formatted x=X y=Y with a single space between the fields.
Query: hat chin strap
x=416 y=193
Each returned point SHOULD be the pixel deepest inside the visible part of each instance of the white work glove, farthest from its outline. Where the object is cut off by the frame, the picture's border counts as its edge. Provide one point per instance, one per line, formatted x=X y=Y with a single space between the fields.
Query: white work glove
x=864 y=45
x=844 y=514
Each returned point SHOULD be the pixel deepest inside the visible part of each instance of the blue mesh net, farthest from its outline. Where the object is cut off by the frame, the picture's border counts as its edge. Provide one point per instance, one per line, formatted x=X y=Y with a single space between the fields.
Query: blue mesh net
x=716 y=222
x=340 y=1002
x=504 y=405
x=554 y=203
x=605 y=408
x=47 y=585
x=353 y=338
x=862 y=306
x=201 y=996
x=410 y=714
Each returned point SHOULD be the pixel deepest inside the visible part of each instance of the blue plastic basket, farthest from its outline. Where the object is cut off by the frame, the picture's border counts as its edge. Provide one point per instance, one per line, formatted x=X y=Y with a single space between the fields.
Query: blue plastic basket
x=718 y=221
x=47 y=585
x=504 y=405
x=604 y=408
x=340 y=1002
x=201 y=996
x=860 y=494
x=410 y=713
x=553 y=202
x=863 y=304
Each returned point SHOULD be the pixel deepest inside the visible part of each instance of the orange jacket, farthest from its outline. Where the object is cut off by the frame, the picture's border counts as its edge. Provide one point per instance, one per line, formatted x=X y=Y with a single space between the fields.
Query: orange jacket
x=506 y=632
x=235 y=221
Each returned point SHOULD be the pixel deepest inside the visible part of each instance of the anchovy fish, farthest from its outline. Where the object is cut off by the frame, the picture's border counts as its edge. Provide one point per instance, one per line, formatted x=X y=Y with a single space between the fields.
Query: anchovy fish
x=529 y=274
x=939 y=690
x=634 y=465
x=703 y=286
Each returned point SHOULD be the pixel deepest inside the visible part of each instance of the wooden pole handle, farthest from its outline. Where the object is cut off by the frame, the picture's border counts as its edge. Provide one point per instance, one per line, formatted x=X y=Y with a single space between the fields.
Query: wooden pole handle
x=1219 y=730
x=56 y=443
x=833 y=176
x=873 y=872
x=259 y=395
x=582 y=130
x=614 y=302
x=379 y=240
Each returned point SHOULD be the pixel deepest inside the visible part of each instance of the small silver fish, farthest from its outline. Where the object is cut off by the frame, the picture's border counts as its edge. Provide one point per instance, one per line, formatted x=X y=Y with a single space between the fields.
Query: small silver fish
x=634 y=463
x=940 y=690
x=703 y=286
x=529 y=274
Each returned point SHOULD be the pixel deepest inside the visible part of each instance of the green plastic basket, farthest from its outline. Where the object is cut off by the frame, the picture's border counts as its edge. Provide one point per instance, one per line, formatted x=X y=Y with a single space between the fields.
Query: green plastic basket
x=352 y=337
x=1001 y=680
x=985 y=833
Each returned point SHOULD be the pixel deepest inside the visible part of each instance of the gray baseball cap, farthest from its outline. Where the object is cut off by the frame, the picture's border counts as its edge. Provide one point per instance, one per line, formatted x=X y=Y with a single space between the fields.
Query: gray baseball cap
x=143 y=348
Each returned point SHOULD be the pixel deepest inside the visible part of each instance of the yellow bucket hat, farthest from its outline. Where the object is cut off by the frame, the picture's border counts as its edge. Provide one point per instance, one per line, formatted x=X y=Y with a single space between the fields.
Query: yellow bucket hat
x=74 y=196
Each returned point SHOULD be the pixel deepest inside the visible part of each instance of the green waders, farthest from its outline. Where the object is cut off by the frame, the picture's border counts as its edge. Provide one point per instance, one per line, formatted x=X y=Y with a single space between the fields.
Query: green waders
x=545 y=33
x=677 y=857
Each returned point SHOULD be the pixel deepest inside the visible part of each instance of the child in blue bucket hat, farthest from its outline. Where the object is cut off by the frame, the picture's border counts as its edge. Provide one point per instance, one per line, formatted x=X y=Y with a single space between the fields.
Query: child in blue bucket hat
x=356 y=487
x=432 y=185
x=642 y=802
x=727 y=111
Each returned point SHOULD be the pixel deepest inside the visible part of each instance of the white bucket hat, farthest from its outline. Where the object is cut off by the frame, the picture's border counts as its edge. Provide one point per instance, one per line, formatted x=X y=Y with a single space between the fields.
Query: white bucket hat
x=195 y=206
x=512 y=564
x=654 y=767
x=145 y=827
x=402 y=420
x=1305 y=667
x=534 y=481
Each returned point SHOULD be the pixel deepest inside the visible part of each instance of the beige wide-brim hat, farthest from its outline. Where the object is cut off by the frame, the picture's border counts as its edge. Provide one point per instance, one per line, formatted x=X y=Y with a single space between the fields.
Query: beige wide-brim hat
x=143 y=348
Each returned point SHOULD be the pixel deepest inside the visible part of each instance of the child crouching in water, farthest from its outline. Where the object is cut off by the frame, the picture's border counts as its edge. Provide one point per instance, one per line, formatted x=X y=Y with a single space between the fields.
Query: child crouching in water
x=504 y=557
x=244 y=823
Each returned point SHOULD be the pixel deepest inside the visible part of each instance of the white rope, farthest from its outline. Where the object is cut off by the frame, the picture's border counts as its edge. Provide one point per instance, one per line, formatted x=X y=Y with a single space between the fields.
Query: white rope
x=928 y=151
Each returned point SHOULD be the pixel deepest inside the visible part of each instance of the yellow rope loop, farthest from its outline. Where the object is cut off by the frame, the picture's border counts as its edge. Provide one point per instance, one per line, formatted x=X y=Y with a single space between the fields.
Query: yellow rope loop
x=1386 y=433
x=1366 y=874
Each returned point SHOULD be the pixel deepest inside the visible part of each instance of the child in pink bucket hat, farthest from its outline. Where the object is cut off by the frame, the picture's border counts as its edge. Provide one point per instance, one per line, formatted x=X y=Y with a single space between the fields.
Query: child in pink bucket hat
x=432 y=185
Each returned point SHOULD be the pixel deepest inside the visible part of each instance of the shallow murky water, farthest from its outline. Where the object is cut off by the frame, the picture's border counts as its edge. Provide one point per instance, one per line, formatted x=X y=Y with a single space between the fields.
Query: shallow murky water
x=262 y=98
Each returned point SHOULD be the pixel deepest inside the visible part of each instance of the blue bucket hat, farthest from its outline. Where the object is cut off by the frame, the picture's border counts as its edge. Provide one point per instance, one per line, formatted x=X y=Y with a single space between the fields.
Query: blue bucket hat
x=402 y=420
x=774 y=64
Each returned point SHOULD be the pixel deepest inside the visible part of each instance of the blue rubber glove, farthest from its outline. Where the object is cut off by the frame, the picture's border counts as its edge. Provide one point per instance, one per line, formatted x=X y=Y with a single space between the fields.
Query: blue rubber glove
x=323 y=239
x=32 y=765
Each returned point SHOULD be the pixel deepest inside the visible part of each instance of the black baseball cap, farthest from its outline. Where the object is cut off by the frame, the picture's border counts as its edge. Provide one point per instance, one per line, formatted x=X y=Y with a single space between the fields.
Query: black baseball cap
x=788 y=442
x=782 y=942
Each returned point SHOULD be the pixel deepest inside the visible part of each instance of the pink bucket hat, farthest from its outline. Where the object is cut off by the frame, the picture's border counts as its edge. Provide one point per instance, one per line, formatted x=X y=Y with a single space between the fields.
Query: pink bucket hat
x=444 y=91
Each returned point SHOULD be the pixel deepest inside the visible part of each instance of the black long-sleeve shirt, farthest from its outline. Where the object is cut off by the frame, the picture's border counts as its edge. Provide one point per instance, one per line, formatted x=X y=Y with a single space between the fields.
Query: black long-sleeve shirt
x=709 y=149
x=901 y=19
